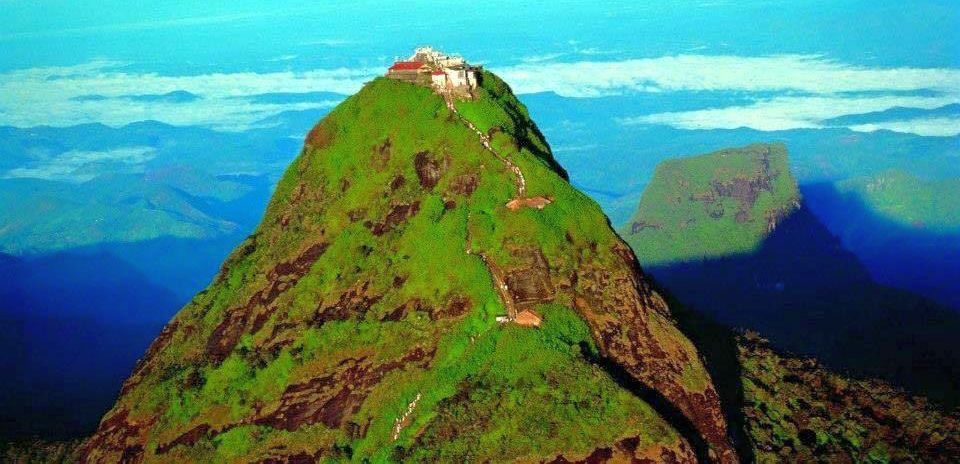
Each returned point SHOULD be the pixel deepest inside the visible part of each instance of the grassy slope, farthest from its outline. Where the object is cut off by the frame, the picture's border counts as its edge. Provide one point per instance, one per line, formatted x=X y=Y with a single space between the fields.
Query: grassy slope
x=682 y=216
x=908 y=200
x=548 y=398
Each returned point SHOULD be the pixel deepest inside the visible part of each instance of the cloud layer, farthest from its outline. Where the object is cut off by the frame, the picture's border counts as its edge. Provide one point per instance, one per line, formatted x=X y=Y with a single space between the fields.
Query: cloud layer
x=81 y=166
x=813 y=89
x=785 y=92
x=61 y=96
x=803 y=73
x=936 y=127
x=785 y=113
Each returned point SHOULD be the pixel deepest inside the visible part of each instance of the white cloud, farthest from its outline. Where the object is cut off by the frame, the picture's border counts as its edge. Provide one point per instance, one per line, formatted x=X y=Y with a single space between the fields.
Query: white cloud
x=47 y=95
x=788 y=91
x=827 y=89
x=284 y=58
x=799 y=73
x=69 y=166
x=934 y=127
x=784 y=113
x=596 y=51
x=575 y=148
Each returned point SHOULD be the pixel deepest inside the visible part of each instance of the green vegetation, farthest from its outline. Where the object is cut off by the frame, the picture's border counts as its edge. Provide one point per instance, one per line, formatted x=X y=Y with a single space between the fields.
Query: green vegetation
x=358 y=321
x=799 y=412
x=906 y=199
x=712 y=205
x=42 y=216
x=535 y=396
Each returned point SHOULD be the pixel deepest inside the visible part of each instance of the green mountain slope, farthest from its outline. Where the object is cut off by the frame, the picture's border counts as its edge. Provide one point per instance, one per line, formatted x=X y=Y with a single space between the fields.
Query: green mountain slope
x=797 y=411
x=786 y=408
x=718 y=204
x=39 y=215
x=359 y=321
x=905 y=199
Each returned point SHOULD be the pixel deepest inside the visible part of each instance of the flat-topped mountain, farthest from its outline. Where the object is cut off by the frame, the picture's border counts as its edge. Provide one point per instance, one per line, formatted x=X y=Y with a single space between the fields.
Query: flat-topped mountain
x=719 y=204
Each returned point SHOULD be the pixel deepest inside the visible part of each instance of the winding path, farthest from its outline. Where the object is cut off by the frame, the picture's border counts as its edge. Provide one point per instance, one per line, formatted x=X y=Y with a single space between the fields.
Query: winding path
x=520 y=181
x=495 y=272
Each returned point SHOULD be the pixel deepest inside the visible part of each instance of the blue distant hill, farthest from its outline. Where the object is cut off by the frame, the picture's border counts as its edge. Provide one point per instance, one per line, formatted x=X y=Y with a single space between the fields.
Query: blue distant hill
x=895 y=114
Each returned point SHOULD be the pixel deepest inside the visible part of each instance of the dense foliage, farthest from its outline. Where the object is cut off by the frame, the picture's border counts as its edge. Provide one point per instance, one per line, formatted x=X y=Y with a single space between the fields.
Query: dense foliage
x=799 y=412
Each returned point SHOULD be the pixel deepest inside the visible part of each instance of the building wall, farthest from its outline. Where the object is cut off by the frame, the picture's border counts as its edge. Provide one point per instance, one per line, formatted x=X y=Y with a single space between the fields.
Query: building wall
x=450 y=61
x=409 y=76
x=458 y=77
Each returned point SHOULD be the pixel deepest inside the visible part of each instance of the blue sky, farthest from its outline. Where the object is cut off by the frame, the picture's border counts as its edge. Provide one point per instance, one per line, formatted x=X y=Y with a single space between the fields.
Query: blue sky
x=766 y=65
x=240 y=35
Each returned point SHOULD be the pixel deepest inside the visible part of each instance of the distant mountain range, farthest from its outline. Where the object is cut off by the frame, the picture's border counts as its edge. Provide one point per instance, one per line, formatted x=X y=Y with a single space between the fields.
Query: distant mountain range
x=712 y=206
x=64 y=188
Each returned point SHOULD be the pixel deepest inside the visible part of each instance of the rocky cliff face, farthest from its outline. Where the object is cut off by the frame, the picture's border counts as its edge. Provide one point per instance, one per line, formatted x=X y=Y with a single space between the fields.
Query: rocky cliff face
x=360 y=319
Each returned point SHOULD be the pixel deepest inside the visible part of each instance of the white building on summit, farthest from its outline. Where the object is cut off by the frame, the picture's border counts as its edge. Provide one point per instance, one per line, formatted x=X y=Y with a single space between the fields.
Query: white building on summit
x=445 y=73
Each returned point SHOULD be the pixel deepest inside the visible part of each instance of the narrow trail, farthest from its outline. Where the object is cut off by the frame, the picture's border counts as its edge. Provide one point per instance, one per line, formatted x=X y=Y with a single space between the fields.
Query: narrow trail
x=520 y=181
x=501 y=286
x=664 y=407
x=495 y=272
x=498 y=280
x=403 y=420
x=503 y=291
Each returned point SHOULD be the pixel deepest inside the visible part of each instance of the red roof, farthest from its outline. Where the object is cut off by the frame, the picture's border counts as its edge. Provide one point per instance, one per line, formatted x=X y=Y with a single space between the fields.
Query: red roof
x=438 y=72
x=406 y=66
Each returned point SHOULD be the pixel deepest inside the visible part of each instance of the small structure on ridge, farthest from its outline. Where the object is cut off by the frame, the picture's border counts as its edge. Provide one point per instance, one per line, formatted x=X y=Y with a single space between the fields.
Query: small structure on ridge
x=444 y=73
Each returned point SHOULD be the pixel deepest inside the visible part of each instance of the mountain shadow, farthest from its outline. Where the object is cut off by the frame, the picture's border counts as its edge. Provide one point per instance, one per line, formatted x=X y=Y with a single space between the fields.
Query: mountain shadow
x=74 y=325
x=914 y=257
x=76 y=321
x=720 y=348
x=802 y=290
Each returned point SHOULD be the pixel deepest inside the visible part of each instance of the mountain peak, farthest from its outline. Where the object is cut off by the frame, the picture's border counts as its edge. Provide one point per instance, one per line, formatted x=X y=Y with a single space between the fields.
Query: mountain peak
x=423 y=281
